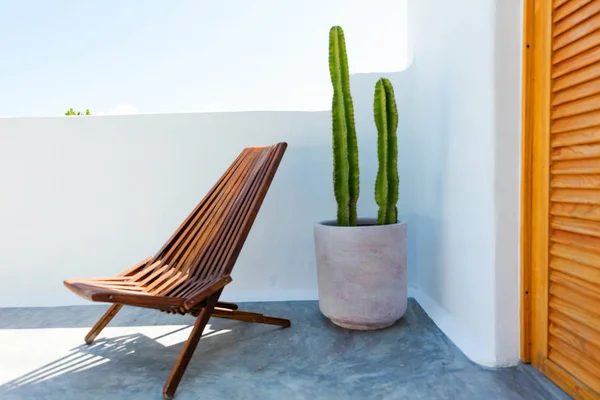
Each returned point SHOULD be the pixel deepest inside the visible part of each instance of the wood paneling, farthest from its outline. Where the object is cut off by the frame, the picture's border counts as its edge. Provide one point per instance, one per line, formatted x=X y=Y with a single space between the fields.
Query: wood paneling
x=589 y=336
x=580 y=121
x=576 y=92
x=588 y=166
x=578 y=211
x=581 y=271
x=572 y=13
x=573 y=282
x=575 y=78
x=583 y=241
x=578 y=31
x=577 y=54
x=577 y=196
x=573 y=386
x=577 y=107
x=575 y=225
x=576 y=181
x=562 y=192
x=579 y=297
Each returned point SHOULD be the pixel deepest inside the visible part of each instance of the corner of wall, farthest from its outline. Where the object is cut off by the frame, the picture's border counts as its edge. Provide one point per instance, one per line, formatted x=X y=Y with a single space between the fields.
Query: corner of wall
x=507 y=176
x=461 y=337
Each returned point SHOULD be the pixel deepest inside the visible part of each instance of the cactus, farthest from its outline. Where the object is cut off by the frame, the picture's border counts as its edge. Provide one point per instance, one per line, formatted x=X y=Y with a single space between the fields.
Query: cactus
x=386 y=184
x=345 y=146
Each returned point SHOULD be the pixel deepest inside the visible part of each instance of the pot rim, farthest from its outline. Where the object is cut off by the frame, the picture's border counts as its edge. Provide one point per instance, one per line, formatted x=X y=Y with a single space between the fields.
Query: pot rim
x=368 y=223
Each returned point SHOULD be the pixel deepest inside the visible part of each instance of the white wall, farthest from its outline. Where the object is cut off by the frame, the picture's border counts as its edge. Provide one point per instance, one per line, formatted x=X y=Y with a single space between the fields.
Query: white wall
x=90 y=196
x=464 y=137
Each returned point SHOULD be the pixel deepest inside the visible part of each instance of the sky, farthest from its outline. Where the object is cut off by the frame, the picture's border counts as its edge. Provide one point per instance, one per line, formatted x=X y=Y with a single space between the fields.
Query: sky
x=157 y=56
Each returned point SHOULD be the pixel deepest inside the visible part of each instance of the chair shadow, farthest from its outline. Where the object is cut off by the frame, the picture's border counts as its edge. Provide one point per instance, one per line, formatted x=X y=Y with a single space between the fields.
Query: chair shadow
x=115 y=366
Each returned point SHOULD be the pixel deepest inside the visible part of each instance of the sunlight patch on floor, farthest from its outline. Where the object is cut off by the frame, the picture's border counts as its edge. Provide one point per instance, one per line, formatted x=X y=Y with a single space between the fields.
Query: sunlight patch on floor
x=36 y=355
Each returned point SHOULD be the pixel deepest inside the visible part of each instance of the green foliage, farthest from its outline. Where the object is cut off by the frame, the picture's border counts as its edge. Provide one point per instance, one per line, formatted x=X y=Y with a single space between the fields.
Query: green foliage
x=345 y=146
x=386 y=184
x=70 y=111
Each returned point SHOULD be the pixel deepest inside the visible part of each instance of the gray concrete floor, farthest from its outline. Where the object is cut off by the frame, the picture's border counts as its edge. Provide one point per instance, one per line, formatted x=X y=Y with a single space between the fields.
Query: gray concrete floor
x=42 y=356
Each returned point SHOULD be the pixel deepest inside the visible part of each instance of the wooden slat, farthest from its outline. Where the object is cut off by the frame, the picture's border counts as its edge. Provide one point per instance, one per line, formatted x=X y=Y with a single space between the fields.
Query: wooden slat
x=583 y=136
x=136 y=268
x=220 y=223
x=214 y=232
x=576 y=152
x=576 y=122
x=576 y=55
x=208 y=256
x=249 y=317
x=204 y=224
x=576 y=181
x=234 y=251
x=575 y=313
x=578 y=31
x=573 y=386
x=581 y=106
x=576 y=284
x=570 y=359
x=576 y=77
x=558 y=3
x=583 y=272
x=573 y=13
x=175 y=241
x=576 y=226
x=588 y=166
x=576 y=254
x=579 y=211
x=584 y=241
x=576 y=328
x=567 y=343
x=577 y=196
x=216 y=255
x=578 y=296
x=577 y=92
x=188 y=232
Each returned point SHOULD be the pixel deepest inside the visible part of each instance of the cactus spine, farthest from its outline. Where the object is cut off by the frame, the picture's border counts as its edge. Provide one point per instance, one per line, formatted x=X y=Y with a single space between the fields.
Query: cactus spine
x=386 y=184
x=345 y=146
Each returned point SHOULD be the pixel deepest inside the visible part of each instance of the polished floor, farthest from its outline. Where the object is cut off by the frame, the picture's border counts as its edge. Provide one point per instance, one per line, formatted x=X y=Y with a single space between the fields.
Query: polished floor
x=42 y=356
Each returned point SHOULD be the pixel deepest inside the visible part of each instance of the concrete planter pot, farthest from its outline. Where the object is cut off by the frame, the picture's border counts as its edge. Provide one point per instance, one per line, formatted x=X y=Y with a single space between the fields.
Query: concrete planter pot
x=361 y=273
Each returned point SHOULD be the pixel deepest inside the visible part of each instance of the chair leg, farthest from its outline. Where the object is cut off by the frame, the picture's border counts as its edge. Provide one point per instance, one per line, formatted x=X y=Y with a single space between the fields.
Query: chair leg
x=102 y=322
x=250 y=317
x=189 y=347
x=229 y=306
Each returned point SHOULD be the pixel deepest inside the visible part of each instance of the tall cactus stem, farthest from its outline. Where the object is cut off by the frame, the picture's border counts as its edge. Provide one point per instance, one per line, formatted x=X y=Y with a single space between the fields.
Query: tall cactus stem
x=345 y=146
x=387 y=181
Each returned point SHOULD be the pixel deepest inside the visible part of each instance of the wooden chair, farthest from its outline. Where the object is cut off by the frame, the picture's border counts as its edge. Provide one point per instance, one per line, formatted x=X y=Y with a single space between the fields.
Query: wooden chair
x=189 y=272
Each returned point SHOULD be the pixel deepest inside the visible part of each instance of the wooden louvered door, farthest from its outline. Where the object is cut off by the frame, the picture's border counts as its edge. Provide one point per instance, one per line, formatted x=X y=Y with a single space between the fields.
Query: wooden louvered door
x=561 y=193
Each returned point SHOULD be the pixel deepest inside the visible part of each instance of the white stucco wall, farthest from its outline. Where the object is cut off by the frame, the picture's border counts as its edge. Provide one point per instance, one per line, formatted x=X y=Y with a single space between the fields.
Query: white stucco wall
x=464 y=132
x=90 y=196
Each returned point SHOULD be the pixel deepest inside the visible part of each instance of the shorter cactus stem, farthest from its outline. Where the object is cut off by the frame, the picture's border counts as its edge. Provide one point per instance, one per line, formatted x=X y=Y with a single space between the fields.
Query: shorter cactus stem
x=386 y=184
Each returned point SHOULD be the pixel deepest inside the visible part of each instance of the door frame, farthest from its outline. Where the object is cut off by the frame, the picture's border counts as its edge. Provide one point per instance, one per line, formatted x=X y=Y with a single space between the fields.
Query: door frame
x=535 y=164
x=535 y=190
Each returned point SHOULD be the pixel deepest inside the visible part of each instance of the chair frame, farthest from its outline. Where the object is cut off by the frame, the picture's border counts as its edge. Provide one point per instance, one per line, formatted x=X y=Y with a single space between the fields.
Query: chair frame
x=213 y=308
x=185 y=276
